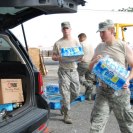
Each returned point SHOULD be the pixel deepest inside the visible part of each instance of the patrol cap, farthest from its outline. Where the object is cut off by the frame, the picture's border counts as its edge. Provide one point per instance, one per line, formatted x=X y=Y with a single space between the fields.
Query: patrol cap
x=105 y=25
x=65 y=25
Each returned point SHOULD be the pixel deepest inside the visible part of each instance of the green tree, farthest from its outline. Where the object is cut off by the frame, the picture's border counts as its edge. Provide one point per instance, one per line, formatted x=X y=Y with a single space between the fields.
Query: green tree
x=129 y=9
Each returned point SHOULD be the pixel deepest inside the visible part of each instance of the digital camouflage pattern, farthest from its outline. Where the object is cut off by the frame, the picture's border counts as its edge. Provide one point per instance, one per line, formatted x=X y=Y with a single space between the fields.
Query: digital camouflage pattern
x=87 y=79
x=107 y=101
x=69 y=86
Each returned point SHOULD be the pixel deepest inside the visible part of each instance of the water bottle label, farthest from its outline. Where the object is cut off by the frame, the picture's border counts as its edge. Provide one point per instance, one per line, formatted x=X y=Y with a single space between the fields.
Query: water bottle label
x=115 y=79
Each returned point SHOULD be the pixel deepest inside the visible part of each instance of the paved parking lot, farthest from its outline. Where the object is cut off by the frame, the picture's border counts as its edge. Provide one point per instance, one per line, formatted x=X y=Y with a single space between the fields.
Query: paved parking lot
x=81 y=116
x=80 y=112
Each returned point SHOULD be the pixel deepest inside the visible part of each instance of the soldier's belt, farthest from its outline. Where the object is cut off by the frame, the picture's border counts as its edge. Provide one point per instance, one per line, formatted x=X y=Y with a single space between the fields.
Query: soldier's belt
x=67 y=70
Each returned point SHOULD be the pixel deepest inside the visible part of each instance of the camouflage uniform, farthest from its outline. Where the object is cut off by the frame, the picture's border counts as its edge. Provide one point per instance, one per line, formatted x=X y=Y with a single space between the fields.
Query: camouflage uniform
x=86 y=78
x=108 y=100
x=67 y=73
x=69 y=85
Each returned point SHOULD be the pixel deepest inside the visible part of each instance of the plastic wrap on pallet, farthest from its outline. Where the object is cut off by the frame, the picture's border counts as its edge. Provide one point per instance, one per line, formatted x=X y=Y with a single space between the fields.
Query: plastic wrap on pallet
x=131 y=96
x=131 y=90
x=7 y=107
x=55 y=105
x=55 y=101
x=54 y=97
x=131 y=81
x=10 y=106
x=52 y=89
x=131 y=86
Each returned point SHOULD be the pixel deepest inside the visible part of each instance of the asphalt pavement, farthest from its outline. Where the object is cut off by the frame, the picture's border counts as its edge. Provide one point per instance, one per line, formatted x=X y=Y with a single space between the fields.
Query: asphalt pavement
x=80 y=112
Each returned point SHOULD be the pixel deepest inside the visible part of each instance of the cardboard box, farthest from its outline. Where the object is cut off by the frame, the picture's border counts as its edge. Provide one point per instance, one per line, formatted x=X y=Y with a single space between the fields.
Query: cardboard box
x=72 y=54
x=11 y=91
x=37 y=59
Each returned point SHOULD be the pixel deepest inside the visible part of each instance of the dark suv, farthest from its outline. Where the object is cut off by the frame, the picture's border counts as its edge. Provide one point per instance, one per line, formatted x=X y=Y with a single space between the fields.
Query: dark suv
x=23 y=108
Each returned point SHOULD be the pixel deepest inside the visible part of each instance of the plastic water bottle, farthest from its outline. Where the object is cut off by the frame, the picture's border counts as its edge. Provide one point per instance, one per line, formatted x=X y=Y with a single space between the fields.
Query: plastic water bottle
x=2 y=114
x=62 y=51
x=111 y=72
x=17 y=105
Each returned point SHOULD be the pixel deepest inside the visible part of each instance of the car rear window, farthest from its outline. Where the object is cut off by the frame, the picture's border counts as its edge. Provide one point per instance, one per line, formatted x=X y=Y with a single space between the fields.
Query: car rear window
x=7 y=53
x=11 y=10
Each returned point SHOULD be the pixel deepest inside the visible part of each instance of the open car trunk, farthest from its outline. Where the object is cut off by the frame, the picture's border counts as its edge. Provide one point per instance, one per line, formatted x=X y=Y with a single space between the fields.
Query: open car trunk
x=18 y=99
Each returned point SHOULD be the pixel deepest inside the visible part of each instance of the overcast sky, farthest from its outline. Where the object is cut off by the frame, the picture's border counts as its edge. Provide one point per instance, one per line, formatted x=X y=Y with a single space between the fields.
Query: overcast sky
x=44 y=30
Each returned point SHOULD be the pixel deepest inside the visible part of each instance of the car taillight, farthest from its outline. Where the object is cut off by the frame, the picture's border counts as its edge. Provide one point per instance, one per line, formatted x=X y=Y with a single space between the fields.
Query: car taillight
x=42 y=129
x=40 y=84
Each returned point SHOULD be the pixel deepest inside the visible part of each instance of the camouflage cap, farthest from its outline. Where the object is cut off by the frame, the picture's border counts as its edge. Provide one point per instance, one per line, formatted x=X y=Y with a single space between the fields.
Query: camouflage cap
x=105 y=25
x=65 y=25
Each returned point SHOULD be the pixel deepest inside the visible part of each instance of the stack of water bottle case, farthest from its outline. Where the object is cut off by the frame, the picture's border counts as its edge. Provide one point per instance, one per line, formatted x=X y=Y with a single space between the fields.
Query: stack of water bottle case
x=131 y=89
x=112 y=73
x=52 y=91
x=72 y=54
x=131 y=85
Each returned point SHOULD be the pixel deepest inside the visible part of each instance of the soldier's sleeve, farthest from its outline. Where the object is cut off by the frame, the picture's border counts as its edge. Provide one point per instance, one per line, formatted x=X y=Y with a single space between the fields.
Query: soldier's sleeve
x=129 y=55
x=55 y=49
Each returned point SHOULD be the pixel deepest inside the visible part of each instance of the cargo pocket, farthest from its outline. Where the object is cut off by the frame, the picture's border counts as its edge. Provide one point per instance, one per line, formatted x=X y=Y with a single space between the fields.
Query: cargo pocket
x=128 y=114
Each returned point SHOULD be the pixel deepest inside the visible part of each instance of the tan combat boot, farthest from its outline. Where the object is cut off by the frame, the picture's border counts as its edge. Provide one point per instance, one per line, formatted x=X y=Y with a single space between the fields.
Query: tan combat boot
x=67 y=118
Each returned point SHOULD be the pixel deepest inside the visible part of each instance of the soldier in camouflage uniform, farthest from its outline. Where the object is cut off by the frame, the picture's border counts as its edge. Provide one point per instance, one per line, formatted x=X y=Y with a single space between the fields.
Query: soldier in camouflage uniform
x=107 y=99
x=68 y=76
x=86 y=78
